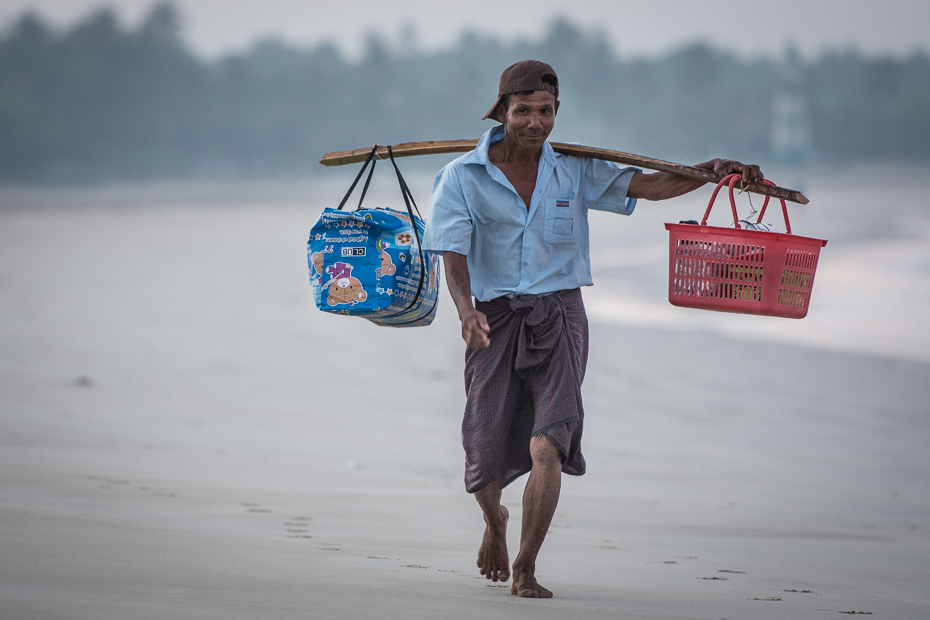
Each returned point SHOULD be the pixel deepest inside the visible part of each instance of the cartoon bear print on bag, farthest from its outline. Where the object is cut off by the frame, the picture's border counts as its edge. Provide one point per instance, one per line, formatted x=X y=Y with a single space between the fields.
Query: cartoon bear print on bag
x=387 y=267
x=317 y=259
x=343 y=288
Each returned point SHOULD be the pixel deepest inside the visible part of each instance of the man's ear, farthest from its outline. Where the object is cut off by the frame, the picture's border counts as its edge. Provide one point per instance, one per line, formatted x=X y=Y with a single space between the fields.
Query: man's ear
x=501 y=112
x=556 y=108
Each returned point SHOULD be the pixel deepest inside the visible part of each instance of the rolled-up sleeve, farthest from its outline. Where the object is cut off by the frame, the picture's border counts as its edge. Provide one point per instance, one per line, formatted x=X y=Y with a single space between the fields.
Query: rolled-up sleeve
x=606 y=185
x=450 y=227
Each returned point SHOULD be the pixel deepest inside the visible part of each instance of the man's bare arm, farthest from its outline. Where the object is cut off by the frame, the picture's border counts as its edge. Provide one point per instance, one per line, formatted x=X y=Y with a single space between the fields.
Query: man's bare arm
x=663 y=185
x=475 y=328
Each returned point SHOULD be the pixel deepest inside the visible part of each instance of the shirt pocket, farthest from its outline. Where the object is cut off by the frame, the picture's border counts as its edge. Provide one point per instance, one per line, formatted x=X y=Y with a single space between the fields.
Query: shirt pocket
x=562 y=221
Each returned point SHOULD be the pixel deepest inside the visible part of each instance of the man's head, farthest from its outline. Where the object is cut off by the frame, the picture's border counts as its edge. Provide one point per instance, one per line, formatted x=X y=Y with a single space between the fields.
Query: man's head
x=523 y=78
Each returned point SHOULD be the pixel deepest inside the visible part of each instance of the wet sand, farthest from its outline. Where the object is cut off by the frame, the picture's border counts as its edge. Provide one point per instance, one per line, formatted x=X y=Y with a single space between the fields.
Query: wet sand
x=183 y=435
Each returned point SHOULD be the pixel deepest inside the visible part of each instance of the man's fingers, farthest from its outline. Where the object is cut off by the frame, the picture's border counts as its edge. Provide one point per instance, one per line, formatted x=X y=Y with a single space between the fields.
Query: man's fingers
x=483 y=323
x=749 y=173
x=478 y=341
x=475 y=330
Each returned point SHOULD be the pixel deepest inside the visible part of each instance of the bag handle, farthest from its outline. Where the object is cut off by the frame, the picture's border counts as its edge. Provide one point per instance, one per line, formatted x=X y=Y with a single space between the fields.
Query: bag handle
x=730 y=180
x=358 y=177
x=408 y=199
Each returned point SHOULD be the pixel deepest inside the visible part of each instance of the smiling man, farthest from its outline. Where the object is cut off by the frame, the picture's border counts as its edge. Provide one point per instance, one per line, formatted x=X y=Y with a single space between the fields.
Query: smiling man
x=510 y=219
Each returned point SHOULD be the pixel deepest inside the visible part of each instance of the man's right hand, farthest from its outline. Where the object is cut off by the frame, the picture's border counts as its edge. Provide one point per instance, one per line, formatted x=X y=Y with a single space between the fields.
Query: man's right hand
x=475 y=329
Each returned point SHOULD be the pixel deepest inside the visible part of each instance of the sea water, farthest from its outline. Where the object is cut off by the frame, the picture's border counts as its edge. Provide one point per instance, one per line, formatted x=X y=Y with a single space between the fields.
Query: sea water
x=871 y=293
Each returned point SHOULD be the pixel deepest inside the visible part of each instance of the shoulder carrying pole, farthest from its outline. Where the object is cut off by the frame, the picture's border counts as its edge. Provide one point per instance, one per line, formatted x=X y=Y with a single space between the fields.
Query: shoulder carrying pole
x=439 y=147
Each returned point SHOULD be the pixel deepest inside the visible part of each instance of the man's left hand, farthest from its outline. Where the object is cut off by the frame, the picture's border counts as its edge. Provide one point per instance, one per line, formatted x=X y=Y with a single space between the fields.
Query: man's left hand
x=750 y=173
x=665 y=185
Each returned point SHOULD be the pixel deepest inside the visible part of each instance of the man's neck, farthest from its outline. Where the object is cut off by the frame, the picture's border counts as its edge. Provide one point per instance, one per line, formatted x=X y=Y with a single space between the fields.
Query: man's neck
x=508 y=151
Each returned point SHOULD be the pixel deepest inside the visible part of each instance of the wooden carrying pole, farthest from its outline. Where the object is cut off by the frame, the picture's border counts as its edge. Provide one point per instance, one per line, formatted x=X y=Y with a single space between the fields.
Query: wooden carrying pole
x=439 y=147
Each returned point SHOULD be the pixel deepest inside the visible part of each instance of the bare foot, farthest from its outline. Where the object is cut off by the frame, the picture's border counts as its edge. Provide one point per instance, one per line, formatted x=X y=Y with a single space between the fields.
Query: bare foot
x=525 y=585
x=492 y=556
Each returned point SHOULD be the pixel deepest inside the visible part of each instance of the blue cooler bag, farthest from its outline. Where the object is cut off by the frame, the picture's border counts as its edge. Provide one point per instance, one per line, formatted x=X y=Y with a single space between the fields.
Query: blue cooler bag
x=369 y=262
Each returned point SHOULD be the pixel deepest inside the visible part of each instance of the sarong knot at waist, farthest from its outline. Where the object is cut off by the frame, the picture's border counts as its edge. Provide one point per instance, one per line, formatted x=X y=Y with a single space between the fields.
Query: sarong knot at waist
x=542 y=321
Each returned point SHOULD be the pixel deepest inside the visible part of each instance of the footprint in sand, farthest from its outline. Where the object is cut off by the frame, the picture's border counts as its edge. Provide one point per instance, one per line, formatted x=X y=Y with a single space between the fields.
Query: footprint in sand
x=295 y=527
x=156 y=492
x=109 y=483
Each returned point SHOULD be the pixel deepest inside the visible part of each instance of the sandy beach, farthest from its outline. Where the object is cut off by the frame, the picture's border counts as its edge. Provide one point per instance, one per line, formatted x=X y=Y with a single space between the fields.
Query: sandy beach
x=183 y=435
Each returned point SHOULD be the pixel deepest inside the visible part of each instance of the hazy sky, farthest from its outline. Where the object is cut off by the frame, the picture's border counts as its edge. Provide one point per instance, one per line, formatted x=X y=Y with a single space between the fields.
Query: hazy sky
x=641 y=27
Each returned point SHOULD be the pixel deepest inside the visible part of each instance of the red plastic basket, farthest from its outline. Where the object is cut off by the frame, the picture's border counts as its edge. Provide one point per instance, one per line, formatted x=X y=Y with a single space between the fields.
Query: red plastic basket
x=739 y=270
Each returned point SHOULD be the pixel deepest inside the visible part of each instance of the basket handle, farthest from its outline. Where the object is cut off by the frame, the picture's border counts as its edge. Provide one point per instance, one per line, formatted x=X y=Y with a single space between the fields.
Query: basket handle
x=730 y=180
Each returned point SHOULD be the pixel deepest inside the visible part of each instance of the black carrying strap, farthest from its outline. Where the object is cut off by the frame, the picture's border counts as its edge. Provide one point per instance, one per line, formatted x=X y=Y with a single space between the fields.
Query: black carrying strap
x=408 y=199
x=358 y=177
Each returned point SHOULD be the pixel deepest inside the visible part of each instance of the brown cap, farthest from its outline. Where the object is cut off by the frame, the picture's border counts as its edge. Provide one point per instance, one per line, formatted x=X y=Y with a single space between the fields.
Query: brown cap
x=526 y=75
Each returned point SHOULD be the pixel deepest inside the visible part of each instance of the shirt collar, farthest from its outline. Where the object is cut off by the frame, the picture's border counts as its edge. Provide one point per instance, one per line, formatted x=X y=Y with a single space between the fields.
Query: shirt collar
x=496 y=134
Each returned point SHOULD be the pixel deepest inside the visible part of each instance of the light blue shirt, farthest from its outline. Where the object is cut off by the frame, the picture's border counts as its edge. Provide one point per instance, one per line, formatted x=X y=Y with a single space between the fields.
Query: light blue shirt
x=511 y=250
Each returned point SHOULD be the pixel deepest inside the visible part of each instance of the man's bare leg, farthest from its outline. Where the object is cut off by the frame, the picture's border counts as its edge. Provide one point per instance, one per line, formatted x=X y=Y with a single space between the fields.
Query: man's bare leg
x=493 y=561
x=540 y=498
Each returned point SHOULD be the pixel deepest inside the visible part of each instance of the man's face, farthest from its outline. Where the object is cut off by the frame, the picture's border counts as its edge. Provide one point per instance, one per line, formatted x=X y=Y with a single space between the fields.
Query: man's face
x=530 y=118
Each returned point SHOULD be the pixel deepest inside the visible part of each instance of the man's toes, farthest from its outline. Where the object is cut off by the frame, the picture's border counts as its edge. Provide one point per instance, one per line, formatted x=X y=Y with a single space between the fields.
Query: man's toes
x=530 y=593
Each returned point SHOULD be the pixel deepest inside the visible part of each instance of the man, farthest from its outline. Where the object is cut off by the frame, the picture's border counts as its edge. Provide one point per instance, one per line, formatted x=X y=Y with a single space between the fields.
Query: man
x=510 y=219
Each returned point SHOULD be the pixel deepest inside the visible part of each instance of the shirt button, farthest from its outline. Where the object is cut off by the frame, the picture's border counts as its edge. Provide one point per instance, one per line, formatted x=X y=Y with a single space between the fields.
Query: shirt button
x=525 y=263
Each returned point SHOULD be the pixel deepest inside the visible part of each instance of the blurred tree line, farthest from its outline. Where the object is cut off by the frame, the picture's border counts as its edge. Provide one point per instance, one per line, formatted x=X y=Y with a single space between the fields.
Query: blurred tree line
x=100 y=101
